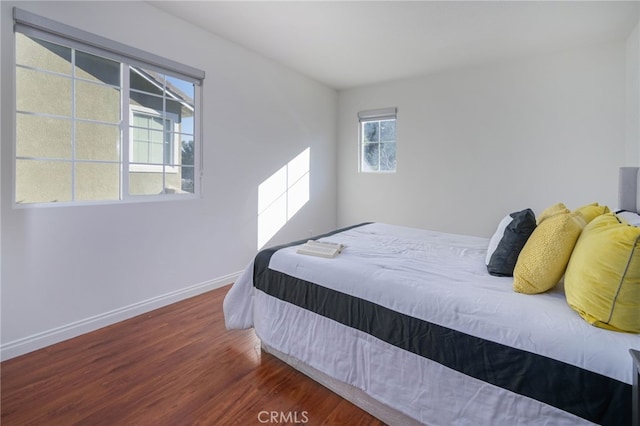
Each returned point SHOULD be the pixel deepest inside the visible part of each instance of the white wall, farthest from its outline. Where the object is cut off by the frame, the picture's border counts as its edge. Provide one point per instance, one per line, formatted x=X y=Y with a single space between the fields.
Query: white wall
x=477 y=143
x=67 y=270
x=633 y=97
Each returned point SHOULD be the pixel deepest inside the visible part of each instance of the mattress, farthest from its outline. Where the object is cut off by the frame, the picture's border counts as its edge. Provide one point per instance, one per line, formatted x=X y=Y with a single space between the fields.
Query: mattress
x=412 y=318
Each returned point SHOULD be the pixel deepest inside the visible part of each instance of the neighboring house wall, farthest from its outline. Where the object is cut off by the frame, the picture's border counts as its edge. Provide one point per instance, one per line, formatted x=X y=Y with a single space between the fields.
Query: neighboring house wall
x=477 y=143
x=68 y=270
x=47 y=137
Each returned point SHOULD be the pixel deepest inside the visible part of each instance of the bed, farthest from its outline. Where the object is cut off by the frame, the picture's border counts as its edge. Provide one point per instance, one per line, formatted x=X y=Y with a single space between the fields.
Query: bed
x=409 y=325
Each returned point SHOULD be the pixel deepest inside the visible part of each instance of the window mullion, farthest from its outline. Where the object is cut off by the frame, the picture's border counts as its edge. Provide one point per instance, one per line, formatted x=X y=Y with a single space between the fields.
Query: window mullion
x=379 y=146
x=125 y=131
x=74 y=113
x=198 y=145
x=164 y=134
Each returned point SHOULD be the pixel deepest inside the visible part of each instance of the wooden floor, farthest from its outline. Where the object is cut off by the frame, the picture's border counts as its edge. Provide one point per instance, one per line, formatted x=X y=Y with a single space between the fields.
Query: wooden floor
x=173 y=366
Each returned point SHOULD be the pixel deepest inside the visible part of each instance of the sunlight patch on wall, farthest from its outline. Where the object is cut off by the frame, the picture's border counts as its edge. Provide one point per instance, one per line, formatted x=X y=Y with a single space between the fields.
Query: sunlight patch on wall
x=282 y=195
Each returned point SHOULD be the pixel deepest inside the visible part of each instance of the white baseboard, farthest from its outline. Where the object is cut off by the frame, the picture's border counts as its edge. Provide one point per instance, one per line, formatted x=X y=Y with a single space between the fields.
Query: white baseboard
x=55 y=335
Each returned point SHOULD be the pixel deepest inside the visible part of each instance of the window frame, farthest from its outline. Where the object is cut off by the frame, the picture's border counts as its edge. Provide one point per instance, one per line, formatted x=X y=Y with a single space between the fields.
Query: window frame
x=44 y=29
x=371 y=116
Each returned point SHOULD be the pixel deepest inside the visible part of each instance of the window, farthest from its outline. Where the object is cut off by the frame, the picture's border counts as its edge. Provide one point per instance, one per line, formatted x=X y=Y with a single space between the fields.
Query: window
x=99 y=121
x=150 y=144
x=378 y=140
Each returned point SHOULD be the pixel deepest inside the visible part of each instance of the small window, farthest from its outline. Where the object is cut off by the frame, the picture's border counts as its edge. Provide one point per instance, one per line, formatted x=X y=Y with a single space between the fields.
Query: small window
x=99 y=121
x=378 y=140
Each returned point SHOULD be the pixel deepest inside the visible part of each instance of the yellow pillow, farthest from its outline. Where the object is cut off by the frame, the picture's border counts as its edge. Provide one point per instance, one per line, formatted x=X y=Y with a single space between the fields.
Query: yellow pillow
x=602 y=282
x=552 y=211
x=591 y=211
x=544 y=257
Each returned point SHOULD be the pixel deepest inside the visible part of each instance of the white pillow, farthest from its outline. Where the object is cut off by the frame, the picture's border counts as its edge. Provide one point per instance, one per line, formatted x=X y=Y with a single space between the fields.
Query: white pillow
x=632 y=218
x=497 y=236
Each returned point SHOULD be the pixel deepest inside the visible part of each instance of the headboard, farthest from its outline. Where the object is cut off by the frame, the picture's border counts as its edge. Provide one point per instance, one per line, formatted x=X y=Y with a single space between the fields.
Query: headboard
x=629 y=189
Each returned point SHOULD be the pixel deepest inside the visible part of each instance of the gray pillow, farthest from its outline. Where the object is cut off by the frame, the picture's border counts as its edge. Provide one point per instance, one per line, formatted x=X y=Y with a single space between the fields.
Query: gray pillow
x=502 y=260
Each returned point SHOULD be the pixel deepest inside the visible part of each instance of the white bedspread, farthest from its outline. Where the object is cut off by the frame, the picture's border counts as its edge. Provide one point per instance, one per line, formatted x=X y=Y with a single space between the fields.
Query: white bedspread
x=440 y=278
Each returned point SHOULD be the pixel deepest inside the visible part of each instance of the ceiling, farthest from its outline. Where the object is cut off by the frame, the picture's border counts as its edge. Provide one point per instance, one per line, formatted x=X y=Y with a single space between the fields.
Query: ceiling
x=345 y=44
